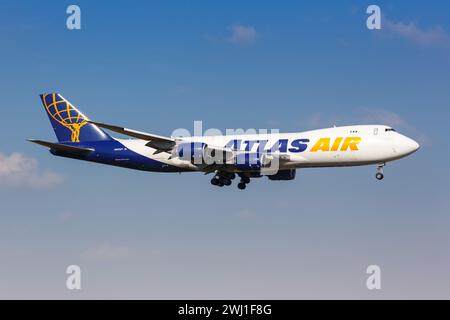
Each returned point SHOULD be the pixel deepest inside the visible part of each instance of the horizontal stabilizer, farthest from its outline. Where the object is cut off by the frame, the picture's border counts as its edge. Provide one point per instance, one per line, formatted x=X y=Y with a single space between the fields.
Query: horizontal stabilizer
x=156 y=141
x=62 y=147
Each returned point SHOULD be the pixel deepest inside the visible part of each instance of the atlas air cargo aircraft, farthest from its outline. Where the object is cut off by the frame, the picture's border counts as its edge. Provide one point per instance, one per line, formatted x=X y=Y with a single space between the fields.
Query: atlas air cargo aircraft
x=275 y=155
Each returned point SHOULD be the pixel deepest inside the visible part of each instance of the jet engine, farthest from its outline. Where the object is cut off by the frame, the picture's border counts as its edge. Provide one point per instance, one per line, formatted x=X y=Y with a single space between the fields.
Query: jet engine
x=283 y=175
x=248 y=161
x=191 y=151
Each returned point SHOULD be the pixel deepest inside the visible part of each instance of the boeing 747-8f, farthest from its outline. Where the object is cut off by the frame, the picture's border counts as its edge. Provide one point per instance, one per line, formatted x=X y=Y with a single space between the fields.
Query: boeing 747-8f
x=276 y=155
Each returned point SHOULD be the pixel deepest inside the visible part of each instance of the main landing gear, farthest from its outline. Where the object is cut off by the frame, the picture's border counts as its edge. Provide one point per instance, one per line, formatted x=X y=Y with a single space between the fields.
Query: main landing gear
x=243 y=182
x=379 y=175
x=222 y=179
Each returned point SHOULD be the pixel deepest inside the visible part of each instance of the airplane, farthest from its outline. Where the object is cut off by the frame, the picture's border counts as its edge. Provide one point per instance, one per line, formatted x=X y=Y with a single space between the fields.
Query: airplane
x=275 y=155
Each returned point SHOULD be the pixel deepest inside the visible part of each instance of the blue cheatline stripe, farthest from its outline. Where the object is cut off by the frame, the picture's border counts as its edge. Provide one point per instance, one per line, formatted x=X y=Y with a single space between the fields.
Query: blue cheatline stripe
x=104 y=153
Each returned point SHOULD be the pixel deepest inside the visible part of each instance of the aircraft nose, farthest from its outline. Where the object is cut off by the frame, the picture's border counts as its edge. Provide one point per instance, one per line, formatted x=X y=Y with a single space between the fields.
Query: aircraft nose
x=414 y=145
x=409 y=145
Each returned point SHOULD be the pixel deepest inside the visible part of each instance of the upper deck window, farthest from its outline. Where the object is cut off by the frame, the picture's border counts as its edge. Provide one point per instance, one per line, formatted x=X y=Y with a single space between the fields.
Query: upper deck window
x=390 y=129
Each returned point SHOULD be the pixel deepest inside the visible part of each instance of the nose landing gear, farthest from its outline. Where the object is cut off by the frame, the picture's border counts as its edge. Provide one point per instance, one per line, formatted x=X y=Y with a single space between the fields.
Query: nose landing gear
x=379 y=175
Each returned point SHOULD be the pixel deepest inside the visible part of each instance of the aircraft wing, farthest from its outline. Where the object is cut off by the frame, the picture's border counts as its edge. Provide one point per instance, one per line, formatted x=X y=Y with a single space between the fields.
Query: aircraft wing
x=62 y=147
x=158 y=142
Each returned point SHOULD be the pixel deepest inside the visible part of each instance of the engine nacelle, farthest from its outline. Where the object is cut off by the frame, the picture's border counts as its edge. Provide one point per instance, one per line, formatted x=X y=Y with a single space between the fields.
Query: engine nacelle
x=283 y=175
x=199 y=153
x=248 y=161
x=191 y=151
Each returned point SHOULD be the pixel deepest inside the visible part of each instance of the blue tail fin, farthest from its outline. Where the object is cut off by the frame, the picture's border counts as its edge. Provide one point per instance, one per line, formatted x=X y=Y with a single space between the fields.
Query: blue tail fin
x=69 y=123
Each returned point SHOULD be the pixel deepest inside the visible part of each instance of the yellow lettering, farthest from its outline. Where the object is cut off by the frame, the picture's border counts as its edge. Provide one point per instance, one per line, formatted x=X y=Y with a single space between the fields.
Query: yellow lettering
x=351 y=142
x=323 y=144
x=336 y=144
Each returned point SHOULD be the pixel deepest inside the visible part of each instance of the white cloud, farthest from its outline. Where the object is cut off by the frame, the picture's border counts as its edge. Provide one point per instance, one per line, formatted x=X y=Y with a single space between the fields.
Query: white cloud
x=319 y=120
x=385 y=117
x=435 y=36
x=19 y=170
x=424 y=140
x=366 y=116
x=108 y=252
x=242 y=35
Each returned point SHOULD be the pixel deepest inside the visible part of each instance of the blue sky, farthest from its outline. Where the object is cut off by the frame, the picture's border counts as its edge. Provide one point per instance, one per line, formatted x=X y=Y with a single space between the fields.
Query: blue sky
x=159 y=65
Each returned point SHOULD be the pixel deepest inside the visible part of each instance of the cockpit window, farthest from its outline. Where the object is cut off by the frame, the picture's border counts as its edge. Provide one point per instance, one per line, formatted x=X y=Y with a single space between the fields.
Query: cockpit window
x=390 y=129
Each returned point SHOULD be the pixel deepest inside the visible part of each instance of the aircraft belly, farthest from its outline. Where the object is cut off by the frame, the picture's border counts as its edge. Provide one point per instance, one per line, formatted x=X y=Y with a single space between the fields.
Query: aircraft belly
x=160 y=161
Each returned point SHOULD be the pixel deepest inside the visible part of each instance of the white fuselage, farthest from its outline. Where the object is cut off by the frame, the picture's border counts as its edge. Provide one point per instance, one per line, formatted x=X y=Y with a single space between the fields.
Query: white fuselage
x=330 y=147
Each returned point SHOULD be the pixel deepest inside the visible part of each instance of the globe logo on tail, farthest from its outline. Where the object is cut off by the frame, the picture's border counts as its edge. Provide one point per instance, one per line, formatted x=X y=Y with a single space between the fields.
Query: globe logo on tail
x=66 y=115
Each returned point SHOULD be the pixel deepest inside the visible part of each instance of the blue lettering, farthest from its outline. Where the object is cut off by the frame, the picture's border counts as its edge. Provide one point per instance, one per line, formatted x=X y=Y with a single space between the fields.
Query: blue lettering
x=281 y=145
x=249 y=144
x=298 y=146
x=262 y=145
x=234 y=144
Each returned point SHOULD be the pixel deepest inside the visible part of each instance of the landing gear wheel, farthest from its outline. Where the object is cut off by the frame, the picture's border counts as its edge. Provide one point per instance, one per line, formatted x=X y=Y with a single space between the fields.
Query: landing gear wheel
x=379 y=175
x=245 y=179
x=226 y=182
x=241 y=185
x=214 y=181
